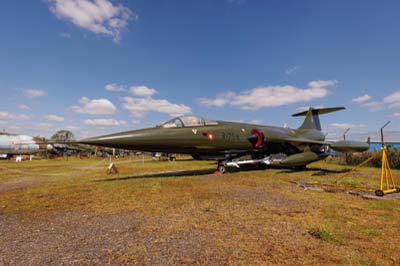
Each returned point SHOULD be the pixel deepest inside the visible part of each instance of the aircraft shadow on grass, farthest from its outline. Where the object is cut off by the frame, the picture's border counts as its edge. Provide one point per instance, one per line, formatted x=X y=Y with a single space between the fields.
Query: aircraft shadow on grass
x=168 y=174
x=171 y=174
x=178 y=173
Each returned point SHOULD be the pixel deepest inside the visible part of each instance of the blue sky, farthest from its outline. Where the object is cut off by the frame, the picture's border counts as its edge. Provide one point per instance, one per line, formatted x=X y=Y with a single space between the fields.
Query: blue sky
x=242 y=60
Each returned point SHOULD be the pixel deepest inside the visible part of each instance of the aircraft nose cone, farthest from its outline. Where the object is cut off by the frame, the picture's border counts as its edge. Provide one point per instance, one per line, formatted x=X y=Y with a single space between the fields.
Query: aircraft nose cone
x=92 y=141
x=126 y=140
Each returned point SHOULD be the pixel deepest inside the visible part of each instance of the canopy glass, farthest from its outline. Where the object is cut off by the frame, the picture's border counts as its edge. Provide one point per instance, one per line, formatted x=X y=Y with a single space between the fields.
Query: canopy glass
x=188 y=121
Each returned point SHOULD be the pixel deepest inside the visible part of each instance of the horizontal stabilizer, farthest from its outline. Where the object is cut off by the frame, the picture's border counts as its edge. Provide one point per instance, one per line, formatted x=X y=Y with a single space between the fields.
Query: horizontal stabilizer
x=311 y=122
x=320 y=111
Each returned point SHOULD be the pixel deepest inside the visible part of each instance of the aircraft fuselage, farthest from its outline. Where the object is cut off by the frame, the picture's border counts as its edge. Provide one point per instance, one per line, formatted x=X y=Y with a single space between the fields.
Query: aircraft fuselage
x=224 y=138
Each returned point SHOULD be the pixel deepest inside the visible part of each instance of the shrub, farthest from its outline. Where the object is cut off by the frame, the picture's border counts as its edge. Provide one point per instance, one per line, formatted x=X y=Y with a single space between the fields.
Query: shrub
x=393 y=156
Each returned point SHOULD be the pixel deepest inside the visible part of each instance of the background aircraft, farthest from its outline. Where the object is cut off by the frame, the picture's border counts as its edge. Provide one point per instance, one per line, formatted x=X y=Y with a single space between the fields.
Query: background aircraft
x=14 y=144
x=232 y=143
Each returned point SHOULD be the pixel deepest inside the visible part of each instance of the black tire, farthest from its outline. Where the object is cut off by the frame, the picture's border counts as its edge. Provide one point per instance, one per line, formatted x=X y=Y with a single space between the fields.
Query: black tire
x=379 y=193
x=172 y=159
x=221 y=169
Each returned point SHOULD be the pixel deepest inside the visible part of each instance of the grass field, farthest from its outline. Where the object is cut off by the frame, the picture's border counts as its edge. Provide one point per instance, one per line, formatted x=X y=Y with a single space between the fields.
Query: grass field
x=55 y=212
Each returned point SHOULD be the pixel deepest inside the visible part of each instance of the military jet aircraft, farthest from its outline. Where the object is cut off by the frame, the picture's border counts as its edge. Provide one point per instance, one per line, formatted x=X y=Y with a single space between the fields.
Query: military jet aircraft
x=14 y=144
x=235 y=144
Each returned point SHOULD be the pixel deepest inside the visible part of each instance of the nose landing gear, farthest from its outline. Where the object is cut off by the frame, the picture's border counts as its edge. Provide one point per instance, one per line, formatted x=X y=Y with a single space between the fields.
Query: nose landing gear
x=221 y=168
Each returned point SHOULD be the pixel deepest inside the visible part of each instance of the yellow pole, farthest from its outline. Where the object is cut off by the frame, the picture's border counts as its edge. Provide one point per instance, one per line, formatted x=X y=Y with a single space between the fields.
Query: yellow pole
x=392 y=178
x=382 y=166
x=386 y=173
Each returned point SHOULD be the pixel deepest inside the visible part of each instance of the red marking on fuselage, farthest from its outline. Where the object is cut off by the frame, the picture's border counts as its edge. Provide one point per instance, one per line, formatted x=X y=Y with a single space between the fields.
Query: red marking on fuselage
x=210 y=136
x=260 y=139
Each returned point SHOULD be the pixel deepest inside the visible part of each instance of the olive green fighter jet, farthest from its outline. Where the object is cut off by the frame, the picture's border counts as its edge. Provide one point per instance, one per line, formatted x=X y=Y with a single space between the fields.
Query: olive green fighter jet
x=235 y=144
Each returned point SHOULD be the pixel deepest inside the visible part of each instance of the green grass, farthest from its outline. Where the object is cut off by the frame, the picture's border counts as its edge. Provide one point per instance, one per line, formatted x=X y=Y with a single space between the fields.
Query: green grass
x=351 y=183
x=323 y=234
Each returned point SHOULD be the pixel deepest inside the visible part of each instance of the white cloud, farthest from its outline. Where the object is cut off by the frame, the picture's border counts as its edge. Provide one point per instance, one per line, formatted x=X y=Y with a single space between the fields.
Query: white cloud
x=97 y=16
x=322 y=83
x=105 y=122
x=271 y=96
x=6 y=116
x=38 y=128
x=390 y=101
x=24 y=107
x=54 y=118
x=142 y=91
x=219 y=101
x=73 y=128
x=34 y=129
x=94 y=107
x=140 y=106
x=345 y=125
x=362 y=99
x=373 y=106
x=114 y=87
x=33 y=93
x=393 y=100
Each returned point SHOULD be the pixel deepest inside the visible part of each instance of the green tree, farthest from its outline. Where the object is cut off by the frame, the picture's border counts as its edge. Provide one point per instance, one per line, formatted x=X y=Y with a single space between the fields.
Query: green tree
x=63 y=136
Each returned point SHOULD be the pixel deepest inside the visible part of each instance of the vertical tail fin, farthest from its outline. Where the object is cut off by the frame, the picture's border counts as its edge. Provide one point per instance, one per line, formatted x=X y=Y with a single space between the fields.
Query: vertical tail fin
x=312 y=117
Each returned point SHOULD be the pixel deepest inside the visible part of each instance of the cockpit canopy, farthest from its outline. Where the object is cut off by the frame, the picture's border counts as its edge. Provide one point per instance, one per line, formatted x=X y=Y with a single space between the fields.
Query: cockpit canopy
x=188 y=121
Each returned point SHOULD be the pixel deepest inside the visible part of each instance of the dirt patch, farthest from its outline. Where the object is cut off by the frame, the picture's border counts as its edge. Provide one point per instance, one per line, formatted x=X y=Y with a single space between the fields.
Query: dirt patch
x=21 y=183
x=259 y=198
x=71 y=238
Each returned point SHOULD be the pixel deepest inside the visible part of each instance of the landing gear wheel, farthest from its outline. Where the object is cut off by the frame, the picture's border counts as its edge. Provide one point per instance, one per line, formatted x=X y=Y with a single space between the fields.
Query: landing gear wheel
x=398 y=189
x=379 y=193
x=221 y=169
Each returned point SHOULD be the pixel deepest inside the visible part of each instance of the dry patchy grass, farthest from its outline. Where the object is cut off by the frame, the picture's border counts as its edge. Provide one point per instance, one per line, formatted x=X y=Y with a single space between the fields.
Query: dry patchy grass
x=73 y=213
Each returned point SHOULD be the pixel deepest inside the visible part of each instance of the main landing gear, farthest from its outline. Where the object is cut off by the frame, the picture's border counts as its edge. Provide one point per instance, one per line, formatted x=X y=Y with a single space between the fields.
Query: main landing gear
x=237 y=162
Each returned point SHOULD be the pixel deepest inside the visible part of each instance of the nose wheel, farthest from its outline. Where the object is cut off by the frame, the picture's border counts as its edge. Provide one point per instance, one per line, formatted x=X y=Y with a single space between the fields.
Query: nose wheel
x=221 y=168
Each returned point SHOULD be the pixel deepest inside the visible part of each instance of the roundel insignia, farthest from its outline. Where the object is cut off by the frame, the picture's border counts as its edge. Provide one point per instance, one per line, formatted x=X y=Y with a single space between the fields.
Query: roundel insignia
x=210 y=136
x=257 y=138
